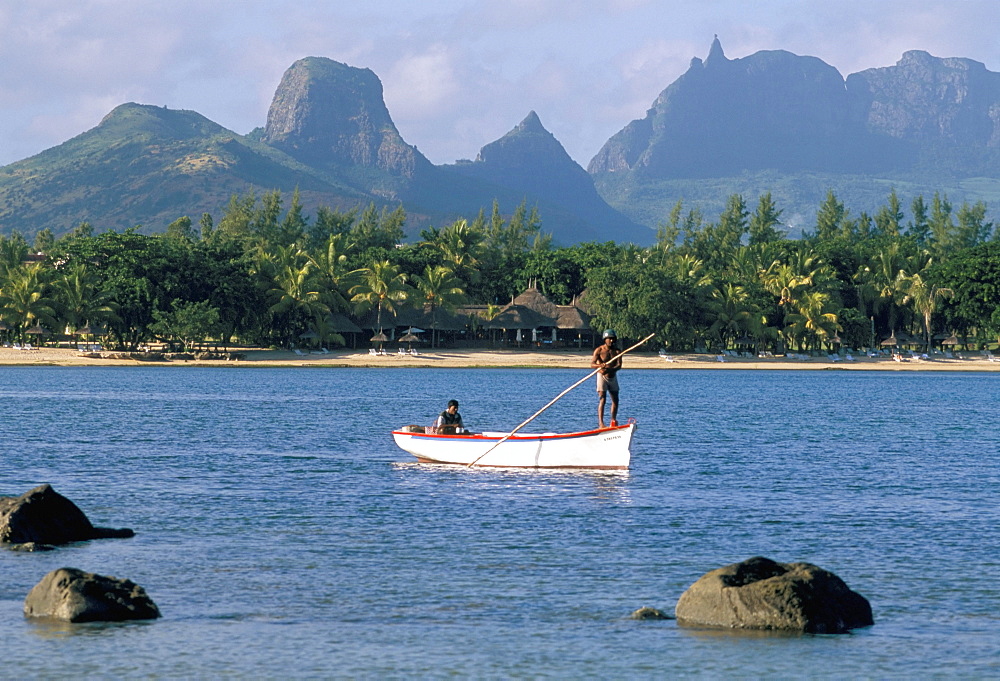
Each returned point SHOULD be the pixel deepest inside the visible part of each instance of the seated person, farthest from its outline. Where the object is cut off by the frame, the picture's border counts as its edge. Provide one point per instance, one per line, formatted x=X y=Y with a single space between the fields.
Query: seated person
x=449 y=421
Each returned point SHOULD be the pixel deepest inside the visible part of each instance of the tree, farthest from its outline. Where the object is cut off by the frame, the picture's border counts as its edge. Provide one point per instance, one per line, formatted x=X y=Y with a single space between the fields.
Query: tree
x=329 y=222
x=376 y=233
x=890 y=216
x=461 y=247
x=13 y=252
x=24 y=299
x=880 y=280
x=636 y=300
x=44 y=241
x=330 y=265
x=294 y=298
x=181 y=229
x=972 y=229
x=380 y=286
x=812 y=318
x=440 y=289
x=764 y=223
x=732 y=315
x=79 y=298
x=942 y=227
x=924 y=296
x=137 y=272
x=190 y=323
x=974 y=276
x=831 y=218
x=919 y=227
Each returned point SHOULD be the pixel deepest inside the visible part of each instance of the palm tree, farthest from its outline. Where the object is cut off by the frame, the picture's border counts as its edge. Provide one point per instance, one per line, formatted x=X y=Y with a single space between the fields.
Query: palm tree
x=733 y=316
x=330 y=266
x=812 y=319
x=440 y=288
x=381 y=286
x=924 y=297
x=24 y=300
x=489 y=314
x=461 y=247
x=882 y=281
x=294 y=293
x=79 y=298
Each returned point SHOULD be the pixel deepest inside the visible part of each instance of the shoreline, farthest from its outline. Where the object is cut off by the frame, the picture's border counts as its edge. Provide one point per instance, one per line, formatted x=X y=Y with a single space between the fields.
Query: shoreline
x=489 y=358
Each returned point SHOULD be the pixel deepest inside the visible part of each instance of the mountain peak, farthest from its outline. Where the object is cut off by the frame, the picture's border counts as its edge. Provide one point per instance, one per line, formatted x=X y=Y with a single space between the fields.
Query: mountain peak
x=531 y=124
x=715 y=54
x=328 y=113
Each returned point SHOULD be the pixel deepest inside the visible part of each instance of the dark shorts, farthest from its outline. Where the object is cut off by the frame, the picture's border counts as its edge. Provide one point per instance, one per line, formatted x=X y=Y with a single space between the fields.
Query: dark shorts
x=607 y=384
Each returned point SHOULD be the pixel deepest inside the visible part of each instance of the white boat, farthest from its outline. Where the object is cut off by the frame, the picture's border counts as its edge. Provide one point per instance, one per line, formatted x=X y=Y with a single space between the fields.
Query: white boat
x=605 y=448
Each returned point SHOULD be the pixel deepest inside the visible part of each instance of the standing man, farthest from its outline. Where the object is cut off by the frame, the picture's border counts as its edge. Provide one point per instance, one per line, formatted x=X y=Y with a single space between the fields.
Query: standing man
x=604 y=360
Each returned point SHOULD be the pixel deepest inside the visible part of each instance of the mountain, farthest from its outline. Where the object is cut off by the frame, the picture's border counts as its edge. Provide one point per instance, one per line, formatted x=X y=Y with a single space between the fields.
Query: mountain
x=943 y=112
x=147 y=165
x=530 y=161
x=775 y=121
x=332 y=116
x=328 y=133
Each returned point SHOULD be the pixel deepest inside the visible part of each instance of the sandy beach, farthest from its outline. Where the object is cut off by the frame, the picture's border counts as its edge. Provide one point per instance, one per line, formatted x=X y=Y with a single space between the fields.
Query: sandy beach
x=484 y=358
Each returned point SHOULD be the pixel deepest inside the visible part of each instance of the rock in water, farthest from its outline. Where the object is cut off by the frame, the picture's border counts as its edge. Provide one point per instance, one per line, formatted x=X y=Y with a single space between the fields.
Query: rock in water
x=44 y=516
x=760 y=593
x=648 y=613
x=76 y=596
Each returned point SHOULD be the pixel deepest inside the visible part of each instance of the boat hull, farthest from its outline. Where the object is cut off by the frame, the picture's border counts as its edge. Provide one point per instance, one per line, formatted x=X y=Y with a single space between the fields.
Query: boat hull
x=606 y=448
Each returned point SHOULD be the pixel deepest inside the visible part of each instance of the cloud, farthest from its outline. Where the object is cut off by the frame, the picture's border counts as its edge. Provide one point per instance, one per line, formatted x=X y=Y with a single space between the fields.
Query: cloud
x=457 y=74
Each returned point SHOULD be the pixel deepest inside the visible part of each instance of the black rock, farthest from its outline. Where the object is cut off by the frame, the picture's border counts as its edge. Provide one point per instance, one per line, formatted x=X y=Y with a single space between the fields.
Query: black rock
x=77 y=596
x=44 y=516
x=760 y=593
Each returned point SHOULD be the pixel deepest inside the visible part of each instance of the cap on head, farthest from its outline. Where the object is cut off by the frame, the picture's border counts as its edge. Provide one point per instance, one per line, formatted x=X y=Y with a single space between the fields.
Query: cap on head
x=609 y=333
x=452 y=403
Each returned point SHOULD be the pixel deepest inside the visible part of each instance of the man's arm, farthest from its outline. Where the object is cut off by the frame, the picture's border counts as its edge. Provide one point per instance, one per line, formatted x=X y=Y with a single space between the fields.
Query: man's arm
x=596 y=361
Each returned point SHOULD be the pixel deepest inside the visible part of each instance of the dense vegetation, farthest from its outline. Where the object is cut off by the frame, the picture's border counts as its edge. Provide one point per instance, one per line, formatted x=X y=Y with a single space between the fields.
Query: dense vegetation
x=266 y=274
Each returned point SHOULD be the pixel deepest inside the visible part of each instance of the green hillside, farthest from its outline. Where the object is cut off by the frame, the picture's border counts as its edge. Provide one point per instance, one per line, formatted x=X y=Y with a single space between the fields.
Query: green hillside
x=142 y=165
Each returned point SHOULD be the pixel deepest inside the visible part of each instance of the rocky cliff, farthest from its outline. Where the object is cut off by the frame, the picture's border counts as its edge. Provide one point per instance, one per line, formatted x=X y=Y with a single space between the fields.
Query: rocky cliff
x=325 y=113
x=772 y=109
x=942 y=110
x=778 y=111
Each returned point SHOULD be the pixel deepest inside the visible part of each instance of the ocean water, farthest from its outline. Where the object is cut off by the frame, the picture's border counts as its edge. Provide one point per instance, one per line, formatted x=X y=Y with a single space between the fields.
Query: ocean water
x=283 y=535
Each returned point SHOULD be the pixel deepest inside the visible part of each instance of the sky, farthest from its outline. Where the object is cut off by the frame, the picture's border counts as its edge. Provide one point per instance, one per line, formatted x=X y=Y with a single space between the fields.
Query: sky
x=456 y=74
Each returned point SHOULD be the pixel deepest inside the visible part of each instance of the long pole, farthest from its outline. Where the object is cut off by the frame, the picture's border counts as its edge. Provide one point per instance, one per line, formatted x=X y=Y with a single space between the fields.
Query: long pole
x=554 y=400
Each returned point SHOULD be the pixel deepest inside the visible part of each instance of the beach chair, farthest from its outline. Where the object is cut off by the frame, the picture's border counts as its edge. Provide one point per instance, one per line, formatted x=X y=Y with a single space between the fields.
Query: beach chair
x=720 y=358
x=414 y=353
x=382 y=352
x=299 y=352
x=948 y=355
x=668 y=358
x=17 y=346
x=372 y=351
x=28 y=346
x=402 y=352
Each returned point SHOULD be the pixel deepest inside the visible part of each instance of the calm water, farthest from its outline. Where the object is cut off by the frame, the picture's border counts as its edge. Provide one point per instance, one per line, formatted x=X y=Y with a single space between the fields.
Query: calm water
x=283 y=534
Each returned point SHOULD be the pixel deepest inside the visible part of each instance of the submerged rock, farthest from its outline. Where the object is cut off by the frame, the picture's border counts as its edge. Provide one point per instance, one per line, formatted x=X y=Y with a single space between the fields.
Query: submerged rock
x=648 y=613
x=43 y=516
x=76 y=596
x=31 y=547
x=760 y=593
